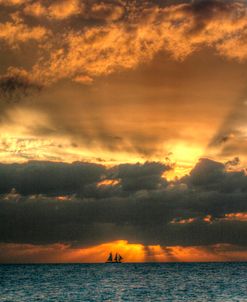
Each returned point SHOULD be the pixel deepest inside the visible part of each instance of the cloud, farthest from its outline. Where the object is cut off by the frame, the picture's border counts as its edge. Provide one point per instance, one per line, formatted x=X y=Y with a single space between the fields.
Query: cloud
x=165 y=215
x=49 y=178
x=64 y=9
x=36 y=9
x=12 y=2
x=16 y=31
x=212 y=175
x=207 y=172
x=83 y=79
x=16 y=84
x=106 y=11
x=232 y=163
x=179 y=30
x=57 y=10
x=136 y=177
x=102 y=37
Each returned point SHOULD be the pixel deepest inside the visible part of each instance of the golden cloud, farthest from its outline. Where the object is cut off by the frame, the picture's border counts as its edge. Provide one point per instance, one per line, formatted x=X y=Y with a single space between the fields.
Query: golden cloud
x=64 y=9
x=36 y=9
x=83 y=79
x=123 y=43
x=106 y=11
x=58 y=10
x=12 y=2
x=178 y=30
x=16 y=31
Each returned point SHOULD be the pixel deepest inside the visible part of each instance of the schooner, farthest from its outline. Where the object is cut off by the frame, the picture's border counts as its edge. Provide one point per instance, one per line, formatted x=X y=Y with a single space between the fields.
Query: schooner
x=117 y=259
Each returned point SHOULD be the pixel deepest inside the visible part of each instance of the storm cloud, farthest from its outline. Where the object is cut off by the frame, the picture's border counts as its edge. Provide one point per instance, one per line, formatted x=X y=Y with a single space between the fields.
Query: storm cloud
x=49 y=178
x=188 y=212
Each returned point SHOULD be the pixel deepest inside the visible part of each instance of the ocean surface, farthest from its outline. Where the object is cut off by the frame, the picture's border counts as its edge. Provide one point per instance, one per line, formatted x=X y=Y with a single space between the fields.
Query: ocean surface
x=124 y=282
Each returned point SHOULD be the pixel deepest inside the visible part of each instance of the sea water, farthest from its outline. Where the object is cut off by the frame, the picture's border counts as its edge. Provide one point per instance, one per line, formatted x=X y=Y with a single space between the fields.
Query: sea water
x=124 y=282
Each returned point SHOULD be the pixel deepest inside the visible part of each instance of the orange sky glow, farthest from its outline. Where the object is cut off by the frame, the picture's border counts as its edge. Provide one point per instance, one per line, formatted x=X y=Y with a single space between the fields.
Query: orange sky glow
x=59 y=253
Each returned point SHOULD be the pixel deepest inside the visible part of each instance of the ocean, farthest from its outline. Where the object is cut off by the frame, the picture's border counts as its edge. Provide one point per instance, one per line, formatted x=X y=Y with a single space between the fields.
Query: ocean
x=124 y=282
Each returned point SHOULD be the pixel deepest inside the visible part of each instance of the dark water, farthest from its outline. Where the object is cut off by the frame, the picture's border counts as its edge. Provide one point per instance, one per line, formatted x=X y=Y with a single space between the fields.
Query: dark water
x=124 y=282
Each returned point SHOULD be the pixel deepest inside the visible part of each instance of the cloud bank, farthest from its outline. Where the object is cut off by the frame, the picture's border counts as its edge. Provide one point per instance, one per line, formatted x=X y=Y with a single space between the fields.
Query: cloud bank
x=78 y=205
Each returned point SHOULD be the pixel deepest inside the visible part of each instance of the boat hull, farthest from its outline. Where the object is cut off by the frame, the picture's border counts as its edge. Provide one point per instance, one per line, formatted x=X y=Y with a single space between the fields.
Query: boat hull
x=113 y=262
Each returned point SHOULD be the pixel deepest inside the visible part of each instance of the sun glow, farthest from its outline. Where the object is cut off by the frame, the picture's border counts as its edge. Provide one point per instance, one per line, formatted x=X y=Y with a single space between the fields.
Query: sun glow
x=61 y=253
x=184 y=156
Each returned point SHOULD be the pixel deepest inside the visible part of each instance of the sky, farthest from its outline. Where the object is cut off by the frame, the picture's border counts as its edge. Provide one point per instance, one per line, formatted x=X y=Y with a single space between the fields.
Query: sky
x=123 y=129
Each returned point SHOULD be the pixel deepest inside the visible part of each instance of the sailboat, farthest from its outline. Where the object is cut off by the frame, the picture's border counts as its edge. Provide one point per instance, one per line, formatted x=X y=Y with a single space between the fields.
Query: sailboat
x=117 y=259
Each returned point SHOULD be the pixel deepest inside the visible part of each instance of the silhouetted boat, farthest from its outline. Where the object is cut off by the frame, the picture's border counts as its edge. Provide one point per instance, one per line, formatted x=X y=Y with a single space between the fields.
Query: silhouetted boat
x=117 y=259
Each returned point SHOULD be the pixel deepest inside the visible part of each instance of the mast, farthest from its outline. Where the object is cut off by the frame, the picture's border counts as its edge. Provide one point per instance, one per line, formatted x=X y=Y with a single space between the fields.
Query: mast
x=120 y=258
x=116 y=258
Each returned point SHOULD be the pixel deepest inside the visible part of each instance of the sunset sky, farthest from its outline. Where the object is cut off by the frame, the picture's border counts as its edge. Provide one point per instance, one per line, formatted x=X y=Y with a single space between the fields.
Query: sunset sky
x=123 y=128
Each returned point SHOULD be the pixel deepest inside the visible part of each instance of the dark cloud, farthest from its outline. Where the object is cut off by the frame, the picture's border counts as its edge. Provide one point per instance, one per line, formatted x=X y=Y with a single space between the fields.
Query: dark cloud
x=142 y=219
x=17 y=84
x=141 y=176
x=234 y=162
x=212 y=175
x=49 y=178
x=206 y=173
x=206 y=9
x=186 y=212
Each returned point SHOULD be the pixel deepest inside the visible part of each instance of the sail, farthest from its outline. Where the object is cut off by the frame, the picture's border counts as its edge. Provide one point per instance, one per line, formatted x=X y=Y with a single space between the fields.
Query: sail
x=117 y=259
x=110 y=257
